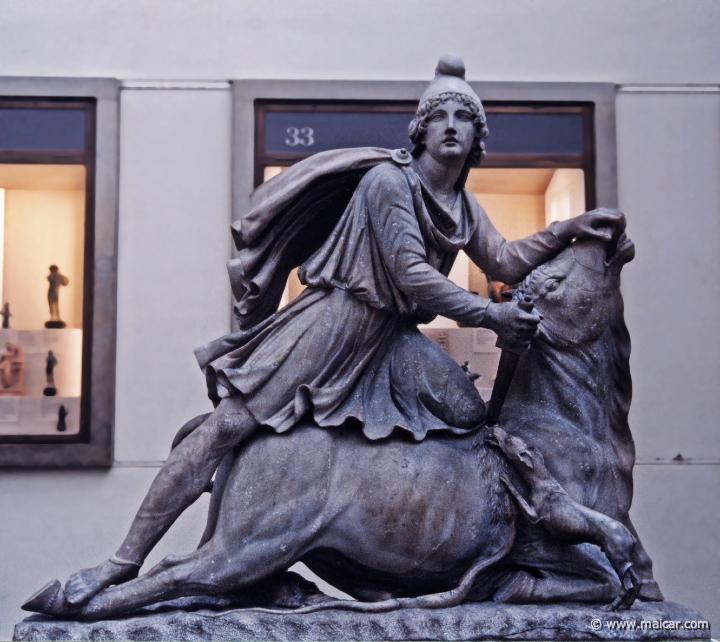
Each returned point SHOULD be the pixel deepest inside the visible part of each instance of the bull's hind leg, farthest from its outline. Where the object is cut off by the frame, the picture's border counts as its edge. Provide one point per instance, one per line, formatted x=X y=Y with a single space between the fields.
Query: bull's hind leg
x=182 y=479
x=210 y=570
x=273 y=510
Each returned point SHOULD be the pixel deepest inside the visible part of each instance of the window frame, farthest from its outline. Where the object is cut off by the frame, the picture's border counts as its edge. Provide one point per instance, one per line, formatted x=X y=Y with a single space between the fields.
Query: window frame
x=600 y=95
x=584 y=161
x=285 y=159
x=93 y=445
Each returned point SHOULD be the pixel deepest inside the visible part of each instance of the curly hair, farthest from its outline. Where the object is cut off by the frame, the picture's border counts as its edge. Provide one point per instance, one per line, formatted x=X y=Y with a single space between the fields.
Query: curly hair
x=419 y=125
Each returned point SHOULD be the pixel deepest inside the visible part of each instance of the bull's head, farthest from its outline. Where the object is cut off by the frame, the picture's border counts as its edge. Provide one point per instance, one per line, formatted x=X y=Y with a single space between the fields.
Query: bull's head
x=577 y=292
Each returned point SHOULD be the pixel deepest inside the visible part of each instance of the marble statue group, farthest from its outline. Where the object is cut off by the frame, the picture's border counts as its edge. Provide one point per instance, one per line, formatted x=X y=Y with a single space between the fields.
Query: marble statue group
x=343 y=438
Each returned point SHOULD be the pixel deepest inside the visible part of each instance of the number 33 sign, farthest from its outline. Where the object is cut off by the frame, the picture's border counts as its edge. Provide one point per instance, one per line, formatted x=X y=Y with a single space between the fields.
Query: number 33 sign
x=302 y=137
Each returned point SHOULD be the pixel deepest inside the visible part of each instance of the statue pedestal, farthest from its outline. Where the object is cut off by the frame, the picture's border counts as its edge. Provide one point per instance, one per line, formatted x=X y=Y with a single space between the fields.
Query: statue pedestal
x=478 y=621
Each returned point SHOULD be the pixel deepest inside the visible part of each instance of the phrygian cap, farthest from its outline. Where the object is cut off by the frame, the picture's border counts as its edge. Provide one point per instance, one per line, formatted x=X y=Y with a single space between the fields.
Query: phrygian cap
x=449 y=77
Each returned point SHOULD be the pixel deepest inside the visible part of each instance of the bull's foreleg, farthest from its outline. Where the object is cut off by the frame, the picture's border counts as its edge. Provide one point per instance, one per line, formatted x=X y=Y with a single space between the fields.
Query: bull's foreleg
x=559 y=573
x=618 y=544
x=525 y=588
x=567 y=519
x=642 y=564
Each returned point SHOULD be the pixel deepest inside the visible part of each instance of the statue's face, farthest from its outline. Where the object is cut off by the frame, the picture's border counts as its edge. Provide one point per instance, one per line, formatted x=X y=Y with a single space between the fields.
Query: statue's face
x=450 y=132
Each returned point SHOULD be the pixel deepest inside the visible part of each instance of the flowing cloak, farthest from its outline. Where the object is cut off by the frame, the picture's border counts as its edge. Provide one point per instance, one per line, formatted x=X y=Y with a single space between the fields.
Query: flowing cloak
x=348 y=347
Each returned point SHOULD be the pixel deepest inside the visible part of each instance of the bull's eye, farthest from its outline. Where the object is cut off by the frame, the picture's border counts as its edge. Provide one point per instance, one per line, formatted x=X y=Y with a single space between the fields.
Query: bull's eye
x=552 y=286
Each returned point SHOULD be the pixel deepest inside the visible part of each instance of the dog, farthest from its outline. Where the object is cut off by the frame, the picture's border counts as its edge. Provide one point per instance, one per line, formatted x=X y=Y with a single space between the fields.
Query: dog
x=563 y=517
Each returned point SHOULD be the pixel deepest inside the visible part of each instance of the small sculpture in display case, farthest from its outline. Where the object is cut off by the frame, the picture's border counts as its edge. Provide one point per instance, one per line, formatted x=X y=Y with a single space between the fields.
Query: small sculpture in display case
x=5 y=314
x=57 y=280
x=50 y=363
x=12 y=370
x=473 y=376
x=62 y=415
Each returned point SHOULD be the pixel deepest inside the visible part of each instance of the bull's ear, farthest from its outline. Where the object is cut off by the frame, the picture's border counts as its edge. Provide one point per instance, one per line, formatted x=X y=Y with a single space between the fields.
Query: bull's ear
x=526 y=458
x=623 y=253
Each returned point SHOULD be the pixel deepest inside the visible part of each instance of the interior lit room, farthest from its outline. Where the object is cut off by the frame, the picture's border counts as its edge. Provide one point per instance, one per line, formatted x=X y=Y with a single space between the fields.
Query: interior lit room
x=42 y=223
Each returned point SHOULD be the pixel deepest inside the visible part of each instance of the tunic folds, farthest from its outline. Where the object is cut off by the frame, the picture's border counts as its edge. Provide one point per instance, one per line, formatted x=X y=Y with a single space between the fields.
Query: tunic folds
x=348 y=348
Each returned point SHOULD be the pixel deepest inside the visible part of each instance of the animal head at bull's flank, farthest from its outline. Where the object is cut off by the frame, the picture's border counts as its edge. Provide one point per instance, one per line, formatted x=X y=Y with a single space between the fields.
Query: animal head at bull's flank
x=578 y=291
x=516 y=449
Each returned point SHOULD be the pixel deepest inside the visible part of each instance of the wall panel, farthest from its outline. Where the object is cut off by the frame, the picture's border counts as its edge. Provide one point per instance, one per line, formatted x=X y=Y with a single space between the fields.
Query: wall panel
x=174 y=240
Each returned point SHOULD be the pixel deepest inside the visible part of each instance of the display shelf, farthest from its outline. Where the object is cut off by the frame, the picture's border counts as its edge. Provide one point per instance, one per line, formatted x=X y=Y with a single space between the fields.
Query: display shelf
x=34 y=413
x=66 y=345
x=38 y=415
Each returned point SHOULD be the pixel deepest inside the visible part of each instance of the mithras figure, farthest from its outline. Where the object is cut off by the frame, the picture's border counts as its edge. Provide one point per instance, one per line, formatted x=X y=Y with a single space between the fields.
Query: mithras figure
x=57 y=280
x=368 y=459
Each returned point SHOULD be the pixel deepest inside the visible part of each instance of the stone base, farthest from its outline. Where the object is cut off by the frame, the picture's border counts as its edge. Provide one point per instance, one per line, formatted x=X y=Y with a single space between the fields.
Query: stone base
x=478 y=621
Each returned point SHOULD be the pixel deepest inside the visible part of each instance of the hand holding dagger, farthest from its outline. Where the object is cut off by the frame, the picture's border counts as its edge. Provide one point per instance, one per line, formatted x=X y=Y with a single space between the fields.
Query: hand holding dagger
x=511 y=353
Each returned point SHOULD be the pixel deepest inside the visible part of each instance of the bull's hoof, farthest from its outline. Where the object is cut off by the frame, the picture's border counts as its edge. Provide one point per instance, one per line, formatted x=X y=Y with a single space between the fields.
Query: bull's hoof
x=48 y=600
x=650 y=592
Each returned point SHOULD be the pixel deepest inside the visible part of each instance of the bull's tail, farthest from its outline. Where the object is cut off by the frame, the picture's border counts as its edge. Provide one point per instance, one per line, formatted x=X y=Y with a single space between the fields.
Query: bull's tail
x=432 y=601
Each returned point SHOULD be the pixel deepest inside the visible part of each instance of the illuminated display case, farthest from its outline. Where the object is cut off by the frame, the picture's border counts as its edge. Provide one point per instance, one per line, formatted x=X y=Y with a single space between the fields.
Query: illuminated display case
x=56 y=211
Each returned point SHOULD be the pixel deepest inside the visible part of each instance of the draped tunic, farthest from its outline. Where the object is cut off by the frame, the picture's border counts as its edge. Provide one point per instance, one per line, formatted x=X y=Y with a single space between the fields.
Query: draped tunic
x=348 y=348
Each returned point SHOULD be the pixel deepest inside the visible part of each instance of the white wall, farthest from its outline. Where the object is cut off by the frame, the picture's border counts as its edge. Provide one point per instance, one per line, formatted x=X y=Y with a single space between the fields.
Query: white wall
x=668 y=164
x=175 y=212
x=173 y=242
x=671 y=41
x=565 y=195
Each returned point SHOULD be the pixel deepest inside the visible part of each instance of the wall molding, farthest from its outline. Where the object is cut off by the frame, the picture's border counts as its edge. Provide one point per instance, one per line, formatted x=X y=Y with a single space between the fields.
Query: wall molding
x=195 y=85
x=669 y=89
x=666 y=461
x=138 y=464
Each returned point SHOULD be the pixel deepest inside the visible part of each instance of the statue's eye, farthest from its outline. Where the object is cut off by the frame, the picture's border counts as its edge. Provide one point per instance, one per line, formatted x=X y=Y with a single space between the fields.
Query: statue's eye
x=552 y=286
